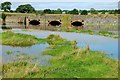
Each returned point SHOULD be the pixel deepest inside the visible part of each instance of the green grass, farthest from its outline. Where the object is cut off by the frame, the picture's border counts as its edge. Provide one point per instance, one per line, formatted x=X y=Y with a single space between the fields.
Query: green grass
x=9 y=52
x=19 y=70
x=80 y=63
x=57 y=40
x=71 y=62
x=57 y=50
x=17 y=39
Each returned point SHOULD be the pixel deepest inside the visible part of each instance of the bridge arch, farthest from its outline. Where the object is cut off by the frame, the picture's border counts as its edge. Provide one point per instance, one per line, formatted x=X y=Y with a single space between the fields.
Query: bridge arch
x=55 y=23
x=34 y=22
x=77 y=23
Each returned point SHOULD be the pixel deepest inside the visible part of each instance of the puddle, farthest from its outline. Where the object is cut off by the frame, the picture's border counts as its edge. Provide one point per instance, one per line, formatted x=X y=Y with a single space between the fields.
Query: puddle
x=34 y=51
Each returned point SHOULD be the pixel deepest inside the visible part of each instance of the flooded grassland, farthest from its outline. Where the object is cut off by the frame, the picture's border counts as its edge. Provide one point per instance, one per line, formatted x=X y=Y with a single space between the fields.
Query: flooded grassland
x=45 y=51
x=67 y=61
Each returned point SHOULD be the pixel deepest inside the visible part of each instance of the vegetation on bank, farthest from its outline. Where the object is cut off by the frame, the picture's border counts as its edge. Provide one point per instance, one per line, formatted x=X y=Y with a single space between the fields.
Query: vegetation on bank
x=68 y=61
x=102 y=33
x=17 y=39
x=57 y=40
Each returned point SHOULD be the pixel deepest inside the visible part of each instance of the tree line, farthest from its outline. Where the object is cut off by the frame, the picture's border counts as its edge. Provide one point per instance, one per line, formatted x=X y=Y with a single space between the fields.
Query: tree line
x=27 y=8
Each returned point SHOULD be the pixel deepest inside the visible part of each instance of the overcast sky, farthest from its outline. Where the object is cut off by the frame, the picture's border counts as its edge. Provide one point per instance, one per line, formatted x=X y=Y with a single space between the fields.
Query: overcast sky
x=66 y=4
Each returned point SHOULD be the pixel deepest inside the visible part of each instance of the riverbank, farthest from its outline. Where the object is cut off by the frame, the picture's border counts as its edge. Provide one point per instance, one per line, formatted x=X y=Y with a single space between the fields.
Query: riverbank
x=68 y=61
x=91 y=32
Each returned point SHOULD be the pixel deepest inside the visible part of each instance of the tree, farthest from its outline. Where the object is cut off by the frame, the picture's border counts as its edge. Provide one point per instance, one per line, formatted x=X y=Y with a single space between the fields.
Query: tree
x=74 y=11
x=27 y=8
x=118 y=11
x=93 y=11
x=111 y=11
x=84 y=12
x=66 y=11
x=39 y=12
x=103 y=11
x=47 y=11
x=6 y=6
x=53 y=11
x=3 y=18
x=80 y=11
x=58 y=11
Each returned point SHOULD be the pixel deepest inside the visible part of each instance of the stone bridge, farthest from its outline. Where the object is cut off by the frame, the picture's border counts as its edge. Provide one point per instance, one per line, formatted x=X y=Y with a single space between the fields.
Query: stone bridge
x=49 y=20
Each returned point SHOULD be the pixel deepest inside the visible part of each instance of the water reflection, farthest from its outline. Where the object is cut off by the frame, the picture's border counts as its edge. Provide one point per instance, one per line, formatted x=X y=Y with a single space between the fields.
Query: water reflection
x=4 y=27
x=96 y=42
x=22 y=26
x=46 y=26
x=34 y=51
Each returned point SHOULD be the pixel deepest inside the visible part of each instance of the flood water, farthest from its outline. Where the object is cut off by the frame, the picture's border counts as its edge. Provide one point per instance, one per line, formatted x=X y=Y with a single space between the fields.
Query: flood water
x=34 y=51
x=95 y=42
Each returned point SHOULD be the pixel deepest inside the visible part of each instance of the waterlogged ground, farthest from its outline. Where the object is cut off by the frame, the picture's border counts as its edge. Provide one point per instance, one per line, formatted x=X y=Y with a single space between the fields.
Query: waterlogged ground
x=64 y=59
x=95 y=42
x=10 y=52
